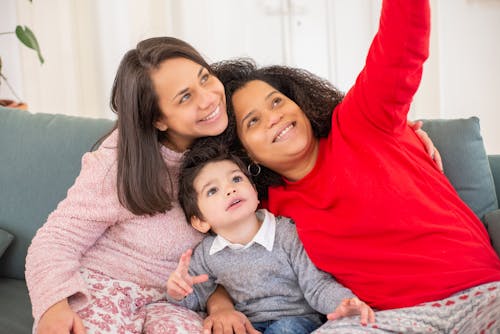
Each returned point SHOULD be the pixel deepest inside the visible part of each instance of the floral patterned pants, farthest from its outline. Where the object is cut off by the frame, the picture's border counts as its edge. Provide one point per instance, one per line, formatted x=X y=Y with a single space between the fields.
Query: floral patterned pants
x=476 y=310
x=124 y=308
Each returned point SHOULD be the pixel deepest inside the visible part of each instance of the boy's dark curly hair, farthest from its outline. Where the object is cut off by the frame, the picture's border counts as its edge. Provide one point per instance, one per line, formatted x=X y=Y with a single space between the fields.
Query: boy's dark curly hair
x=203 y=152
x=315 y=96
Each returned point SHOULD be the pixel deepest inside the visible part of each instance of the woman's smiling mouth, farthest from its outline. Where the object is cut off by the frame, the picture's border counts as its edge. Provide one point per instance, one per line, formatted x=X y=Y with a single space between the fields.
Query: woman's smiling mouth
x=283 y=132
x=212 y=115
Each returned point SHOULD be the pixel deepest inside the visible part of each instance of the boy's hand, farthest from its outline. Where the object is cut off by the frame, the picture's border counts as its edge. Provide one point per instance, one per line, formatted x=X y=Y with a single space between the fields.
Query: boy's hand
x=353 y=306
x=180 y=283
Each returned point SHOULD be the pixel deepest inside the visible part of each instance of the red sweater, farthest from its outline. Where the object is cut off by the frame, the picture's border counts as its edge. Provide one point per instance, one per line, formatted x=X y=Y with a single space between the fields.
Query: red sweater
x=375 y=211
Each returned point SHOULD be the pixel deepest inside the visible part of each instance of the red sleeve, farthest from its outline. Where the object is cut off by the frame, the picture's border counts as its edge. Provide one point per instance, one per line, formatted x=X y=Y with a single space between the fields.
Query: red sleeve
x=385 y=87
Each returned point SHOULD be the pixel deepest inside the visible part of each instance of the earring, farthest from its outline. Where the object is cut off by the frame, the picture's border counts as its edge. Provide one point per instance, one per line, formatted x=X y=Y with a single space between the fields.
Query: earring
x=254 y=169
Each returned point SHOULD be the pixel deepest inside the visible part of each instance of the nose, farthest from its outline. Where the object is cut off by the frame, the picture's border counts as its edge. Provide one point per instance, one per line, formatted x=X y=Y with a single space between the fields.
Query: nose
x=273 y=117
x=230 y=191
x=206 y=98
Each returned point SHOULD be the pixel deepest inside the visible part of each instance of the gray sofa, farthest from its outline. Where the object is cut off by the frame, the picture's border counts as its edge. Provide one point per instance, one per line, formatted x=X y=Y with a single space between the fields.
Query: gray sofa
x=40 y=158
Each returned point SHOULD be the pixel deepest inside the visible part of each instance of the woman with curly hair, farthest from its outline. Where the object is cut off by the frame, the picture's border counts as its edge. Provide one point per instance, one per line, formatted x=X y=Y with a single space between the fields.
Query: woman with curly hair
x=370 y=205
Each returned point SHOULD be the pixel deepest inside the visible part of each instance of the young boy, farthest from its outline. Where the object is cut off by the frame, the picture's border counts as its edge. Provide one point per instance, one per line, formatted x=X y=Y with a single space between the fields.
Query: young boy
x=257 y=257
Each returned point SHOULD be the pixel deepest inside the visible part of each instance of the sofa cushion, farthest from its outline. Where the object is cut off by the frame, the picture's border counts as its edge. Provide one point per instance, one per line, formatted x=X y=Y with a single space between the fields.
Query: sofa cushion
x=465 y=162
x=492 y=222
x=495 y=170
x=15 y=308
x=40 y=156
x=5 y=240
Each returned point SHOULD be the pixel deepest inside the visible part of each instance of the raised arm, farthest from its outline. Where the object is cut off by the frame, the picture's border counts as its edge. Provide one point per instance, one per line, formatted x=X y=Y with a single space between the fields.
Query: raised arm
x=385 y=87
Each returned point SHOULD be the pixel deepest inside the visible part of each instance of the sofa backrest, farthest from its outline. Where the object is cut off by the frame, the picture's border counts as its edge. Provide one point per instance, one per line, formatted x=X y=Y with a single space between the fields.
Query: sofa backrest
x=40 y=157
x=494 y=161
x=465 y=161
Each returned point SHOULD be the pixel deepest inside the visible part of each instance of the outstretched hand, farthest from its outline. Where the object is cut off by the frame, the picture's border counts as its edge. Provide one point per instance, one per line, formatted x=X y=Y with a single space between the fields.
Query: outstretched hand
x=353 y=306
x=180 y=283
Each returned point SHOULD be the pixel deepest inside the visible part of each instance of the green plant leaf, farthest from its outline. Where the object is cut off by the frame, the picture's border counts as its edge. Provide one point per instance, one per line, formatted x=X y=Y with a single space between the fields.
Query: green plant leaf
x=26 y=36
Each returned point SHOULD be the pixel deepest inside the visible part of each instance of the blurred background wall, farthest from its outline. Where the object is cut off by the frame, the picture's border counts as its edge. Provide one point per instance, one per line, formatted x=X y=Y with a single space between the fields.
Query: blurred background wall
x=83 y=42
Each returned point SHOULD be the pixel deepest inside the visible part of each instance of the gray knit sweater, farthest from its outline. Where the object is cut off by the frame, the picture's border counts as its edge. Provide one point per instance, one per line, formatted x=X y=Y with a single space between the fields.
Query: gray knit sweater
x=266 y=285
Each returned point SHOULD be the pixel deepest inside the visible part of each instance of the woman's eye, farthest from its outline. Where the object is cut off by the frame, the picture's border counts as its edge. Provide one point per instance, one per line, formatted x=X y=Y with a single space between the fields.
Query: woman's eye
x=185 y=97
x=276 y=101
x=211 y=192
x=252 y=121
x=204 y=78
x=237 y=179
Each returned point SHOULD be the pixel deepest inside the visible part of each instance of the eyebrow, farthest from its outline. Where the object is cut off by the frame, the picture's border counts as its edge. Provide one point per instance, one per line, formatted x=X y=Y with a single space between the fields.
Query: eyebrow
x=253 y=110
x=211 y=181
x=186 y=89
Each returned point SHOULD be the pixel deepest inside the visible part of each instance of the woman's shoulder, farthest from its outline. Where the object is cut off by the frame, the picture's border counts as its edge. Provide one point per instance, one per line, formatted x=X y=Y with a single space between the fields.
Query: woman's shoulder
x=110 y=143
x=101 y=163
x=106 y=153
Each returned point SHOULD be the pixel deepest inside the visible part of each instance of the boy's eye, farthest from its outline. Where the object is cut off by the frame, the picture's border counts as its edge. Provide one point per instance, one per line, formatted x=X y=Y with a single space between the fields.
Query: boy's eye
x=185 y=97
x=237 y=179
x=211 y=191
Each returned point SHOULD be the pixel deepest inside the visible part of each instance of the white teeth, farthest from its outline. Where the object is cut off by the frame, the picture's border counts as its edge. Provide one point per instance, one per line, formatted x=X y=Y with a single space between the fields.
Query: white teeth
x=212 y=115
x=282 y=133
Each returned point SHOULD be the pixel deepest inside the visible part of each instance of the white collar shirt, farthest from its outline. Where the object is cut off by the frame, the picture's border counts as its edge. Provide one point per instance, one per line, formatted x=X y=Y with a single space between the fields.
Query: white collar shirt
x=264 y=236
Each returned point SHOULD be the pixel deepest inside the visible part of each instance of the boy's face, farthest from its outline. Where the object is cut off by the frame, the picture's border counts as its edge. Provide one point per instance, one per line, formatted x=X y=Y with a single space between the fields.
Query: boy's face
x=225 y=195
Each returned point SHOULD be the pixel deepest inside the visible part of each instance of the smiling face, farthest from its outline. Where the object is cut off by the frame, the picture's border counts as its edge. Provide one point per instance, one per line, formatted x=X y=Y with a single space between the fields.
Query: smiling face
x=192 y=102
x=226 y=198
x=274 y=130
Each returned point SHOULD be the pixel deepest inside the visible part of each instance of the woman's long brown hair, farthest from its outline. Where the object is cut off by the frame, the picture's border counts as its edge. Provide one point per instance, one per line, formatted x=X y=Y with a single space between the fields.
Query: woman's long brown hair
x=143 y=181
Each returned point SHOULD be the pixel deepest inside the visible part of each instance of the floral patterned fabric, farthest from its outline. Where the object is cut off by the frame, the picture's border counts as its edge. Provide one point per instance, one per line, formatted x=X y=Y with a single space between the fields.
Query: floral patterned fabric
x=123 y=307
x=126 y=308
x=473 y=311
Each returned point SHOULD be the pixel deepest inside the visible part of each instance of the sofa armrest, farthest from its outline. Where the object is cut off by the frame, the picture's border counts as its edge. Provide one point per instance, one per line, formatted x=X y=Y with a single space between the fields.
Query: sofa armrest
x=495 y=170
x=492 y=223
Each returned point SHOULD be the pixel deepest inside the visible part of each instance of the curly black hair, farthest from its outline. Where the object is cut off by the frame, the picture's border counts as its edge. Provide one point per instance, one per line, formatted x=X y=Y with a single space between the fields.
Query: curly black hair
x=316 y=97
x=203 y=152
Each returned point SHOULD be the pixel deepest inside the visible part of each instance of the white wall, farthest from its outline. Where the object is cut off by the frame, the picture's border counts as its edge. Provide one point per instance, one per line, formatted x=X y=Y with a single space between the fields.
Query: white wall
x=9 y=51
x=469 y=65
x=83 y=42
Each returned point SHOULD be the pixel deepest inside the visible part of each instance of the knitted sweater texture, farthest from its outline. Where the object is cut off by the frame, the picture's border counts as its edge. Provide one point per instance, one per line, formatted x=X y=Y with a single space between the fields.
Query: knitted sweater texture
x=91 y=229
x=266 y=285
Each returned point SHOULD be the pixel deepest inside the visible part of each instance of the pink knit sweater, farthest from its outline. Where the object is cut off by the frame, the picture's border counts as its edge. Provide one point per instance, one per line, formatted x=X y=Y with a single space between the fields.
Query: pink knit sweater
x=91 y=229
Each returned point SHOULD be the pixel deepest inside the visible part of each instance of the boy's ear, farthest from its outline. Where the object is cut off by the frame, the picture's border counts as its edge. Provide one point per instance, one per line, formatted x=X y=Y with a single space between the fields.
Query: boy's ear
x=200 y=225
